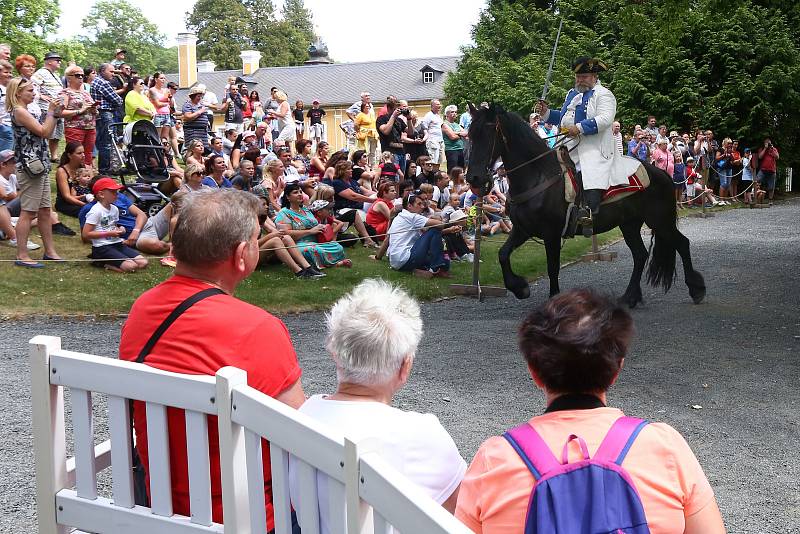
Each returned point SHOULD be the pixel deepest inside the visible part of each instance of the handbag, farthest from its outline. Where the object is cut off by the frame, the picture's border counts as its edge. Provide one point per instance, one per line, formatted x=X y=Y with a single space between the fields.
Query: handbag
x=326 y=236
x=33 y=166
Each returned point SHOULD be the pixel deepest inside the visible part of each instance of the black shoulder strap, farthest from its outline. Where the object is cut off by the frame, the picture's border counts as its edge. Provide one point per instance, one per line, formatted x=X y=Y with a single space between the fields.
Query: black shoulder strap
x=177 y=312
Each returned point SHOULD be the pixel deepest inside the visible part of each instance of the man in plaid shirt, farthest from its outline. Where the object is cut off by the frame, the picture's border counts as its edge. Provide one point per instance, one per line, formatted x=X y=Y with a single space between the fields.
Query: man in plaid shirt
x=108 y=103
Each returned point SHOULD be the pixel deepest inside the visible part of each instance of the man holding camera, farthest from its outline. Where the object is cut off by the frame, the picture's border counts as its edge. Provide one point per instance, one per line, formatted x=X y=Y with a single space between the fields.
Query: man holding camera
x=768 y=157
x=390 y=131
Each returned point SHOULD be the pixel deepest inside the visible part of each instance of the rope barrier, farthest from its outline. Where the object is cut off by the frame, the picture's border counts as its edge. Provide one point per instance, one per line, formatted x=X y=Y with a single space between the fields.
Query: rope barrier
x=267 y=249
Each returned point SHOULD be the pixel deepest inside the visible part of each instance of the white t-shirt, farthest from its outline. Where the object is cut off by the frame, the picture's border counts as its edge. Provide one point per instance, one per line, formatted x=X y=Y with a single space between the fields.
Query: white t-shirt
x=8 y=185
x=104 y=220
x=404 y=233
x=208 y=99
x=5 y=116
x=415 y=444
x=433 y=123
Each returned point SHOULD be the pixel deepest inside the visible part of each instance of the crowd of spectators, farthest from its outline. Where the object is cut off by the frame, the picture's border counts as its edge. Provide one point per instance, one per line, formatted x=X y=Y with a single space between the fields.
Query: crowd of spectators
x=702 y=169
x=387 y=189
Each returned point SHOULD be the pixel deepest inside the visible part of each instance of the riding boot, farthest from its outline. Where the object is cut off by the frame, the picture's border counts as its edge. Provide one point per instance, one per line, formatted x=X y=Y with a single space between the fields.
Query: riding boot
x=592 y=198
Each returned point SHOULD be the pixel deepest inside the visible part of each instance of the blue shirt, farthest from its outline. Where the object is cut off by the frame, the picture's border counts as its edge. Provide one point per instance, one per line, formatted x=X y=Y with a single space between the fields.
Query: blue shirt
x=641 y=155
x=210 y=182
x=126 y=219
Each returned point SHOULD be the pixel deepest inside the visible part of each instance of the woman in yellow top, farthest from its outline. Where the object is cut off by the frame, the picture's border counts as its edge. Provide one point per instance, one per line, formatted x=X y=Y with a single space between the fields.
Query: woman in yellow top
x=367 y=132
x=137 y=105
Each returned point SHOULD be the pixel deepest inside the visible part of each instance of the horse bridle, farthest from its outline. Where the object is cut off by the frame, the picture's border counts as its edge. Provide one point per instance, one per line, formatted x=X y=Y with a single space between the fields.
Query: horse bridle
x=543 y=186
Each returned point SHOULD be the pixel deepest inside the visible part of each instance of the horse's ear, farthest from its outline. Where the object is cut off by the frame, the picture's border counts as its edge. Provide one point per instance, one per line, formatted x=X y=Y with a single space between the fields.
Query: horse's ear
x=472 y=109
x=498 y=109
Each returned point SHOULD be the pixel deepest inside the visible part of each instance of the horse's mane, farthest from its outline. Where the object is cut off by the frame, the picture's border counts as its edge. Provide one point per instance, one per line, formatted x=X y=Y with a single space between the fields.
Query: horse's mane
x=523 y=139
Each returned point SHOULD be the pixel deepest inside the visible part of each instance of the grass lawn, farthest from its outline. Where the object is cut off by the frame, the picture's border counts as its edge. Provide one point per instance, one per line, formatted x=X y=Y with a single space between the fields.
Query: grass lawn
x=79 y=288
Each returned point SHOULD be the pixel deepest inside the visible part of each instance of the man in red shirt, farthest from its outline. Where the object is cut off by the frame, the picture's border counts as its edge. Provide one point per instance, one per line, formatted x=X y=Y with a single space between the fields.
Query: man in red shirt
x=215 y=243
x=768 y=156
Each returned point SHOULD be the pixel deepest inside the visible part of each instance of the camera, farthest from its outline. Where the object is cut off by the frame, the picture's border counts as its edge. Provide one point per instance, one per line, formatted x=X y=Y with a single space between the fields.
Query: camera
x=405 y=111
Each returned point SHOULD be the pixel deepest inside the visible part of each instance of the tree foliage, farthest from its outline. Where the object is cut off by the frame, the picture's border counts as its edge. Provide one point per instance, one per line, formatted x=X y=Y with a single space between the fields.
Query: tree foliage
x=730 y=66
x=25 y=24
x=113 y=24
x=224 y=30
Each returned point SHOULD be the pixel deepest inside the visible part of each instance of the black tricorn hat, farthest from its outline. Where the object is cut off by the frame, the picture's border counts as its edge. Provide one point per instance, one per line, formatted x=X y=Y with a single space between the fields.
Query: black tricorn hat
x=588 y=65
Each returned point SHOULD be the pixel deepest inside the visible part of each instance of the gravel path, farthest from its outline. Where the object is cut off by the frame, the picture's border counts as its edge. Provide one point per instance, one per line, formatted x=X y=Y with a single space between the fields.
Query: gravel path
x=736 y=355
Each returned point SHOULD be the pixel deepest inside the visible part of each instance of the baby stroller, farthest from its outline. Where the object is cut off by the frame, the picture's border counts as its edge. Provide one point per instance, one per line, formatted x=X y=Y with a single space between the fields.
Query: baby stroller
x=139 y=152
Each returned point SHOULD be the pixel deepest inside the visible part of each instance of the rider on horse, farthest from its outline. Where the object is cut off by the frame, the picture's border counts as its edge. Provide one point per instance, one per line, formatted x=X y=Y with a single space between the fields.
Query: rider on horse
x=588 y=111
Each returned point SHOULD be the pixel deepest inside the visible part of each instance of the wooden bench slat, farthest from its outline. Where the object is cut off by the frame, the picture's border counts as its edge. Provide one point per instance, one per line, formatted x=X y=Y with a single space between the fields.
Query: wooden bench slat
x=199 y=468
x=119 y=428
x=255 y=481
x=307 y=508
x=133 y=381
x=83 y=432
x=158 y=460
x=281 y=503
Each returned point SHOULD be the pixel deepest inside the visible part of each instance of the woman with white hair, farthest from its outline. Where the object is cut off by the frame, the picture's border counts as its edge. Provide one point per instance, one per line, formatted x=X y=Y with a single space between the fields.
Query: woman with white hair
x=454 y=136
x=373 y=334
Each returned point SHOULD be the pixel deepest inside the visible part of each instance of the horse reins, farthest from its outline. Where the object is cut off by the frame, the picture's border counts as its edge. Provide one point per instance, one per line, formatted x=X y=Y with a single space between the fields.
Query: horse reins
x=540 y=188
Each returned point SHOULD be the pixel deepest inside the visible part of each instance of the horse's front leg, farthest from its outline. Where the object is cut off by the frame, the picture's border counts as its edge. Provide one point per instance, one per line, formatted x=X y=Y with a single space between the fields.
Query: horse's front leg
x=514 y=283
x=631 y=231
x=552 y=247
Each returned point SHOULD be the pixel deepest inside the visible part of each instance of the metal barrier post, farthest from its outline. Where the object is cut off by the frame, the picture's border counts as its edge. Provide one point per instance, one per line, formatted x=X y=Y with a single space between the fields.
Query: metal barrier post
x=476 y=290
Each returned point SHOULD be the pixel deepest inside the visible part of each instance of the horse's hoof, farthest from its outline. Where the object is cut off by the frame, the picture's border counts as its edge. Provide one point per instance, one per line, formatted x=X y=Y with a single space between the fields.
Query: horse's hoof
x=630 y=301
x=697 y=295
x=521 y=292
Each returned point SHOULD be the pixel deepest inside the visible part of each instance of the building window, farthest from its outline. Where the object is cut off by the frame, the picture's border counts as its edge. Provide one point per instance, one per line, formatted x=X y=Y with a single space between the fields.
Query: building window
x=427 y=76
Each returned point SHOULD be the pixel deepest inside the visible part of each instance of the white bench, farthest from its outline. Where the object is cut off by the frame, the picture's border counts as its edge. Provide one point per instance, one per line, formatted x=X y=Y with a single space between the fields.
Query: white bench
x=372 y=496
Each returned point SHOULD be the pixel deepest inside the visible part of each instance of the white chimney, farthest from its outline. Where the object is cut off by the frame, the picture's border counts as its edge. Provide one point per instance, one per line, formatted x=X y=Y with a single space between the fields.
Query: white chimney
x=206 y=66
x=250 y=60
x=187 y=59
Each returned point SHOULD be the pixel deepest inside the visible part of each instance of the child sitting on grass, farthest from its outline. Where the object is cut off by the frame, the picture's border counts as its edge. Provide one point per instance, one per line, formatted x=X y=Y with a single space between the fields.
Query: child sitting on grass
x=82 y=187
x=106 y=236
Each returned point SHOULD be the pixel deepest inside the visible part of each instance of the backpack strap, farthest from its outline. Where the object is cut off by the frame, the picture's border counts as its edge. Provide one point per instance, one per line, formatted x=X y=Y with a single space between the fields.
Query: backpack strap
x=618 y=441
x=532 y=449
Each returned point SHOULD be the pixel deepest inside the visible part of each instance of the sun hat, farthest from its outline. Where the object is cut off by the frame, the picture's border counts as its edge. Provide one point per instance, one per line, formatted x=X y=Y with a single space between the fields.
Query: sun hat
x=319 y=205
x=52 y=55
x=105 y=183
x=198 y=89
x=120 y=51
x=6 y=155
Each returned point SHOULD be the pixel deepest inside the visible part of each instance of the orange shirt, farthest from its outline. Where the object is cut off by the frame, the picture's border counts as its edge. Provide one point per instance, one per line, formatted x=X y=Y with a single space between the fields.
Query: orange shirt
x=495 y=492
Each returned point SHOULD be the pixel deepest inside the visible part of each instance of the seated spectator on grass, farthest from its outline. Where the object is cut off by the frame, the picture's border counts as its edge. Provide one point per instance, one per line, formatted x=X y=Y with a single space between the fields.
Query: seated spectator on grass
x=108 y=248
x=8 y=193
x=193 y=153
x=456 y=248
x=349 y=199
x=243 y=180
x=413 y=250
x=301 y=225
x=380 y=212
x=275 y=244
x=272 y=184
x=216 y=246
x=215 y=173
x=72 y=160
x=575 y=346
x=332 y=232
x=130 y=216
x=160 y=226
x=373 y=335
x=194 y=175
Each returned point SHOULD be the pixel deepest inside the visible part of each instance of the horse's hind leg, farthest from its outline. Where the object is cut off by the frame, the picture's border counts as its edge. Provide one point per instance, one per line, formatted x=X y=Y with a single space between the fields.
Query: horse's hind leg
x=631 y=231
x=694 y=280
x=514 y=283
x=552 y=246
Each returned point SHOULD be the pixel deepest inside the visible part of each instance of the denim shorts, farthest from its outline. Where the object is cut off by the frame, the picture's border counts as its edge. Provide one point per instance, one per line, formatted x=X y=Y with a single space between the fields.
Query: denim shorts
x=725 y=178
x=163 y=120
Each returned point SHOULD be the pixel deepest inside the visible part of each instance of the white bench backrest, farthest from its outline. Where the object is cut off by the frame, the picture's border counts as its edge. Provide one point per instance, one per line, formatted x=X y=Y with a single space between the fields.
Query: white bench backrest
x=374 y=495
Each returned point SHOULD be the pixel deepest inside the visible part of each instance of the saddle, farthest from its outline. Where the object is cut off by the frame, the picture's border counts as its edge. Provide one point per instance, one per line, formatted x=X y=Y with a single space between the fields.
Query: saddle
x=573 y=189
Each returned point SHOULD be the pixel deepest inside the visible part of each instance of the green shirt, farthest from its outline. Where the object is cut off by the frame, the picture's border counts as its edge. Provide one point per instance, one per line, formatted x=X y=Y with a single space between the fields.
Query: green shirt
x=449 y=144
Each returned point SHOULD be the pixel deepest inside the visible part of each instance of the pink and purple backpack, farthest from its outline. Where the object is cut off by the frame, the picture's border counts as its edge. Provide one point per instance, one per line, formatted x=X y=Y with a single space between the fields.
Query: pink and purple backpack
x=591 y=496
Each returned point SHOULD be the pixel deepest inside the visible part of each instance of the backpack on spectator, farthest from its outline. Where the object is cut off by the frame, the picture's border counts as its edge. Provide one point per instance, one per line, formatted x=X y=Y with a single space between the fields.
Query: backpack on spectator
x=585 y=497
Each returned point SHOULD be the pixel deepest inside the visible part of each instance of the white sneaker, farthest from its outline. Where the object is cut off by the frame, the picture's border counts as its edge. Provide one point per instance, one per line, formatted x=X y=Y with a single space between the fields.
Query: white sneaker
x=31 y=244
x=469 y=257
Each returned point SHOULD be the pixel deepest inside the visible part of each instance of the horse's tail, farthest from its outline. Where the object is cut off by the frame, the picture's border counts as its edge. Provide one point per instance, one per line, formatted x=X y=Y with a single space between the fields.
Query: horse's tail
x=661 y=268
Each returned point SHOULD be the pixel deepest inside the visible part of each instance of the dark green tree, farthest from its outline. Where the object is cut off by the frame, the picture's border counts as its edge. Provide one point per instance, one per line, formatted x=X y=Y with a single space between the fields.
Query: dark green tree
x=731 y=66
x=113 y=24
x=223 y=30
x=25 y=24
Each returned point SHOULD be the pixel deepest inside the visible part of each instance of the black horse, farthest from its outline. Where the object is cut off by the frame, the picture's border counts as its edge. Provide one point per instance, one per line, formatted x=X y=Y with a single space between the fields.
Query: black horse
x=495 y=133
